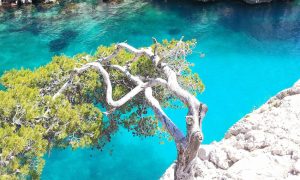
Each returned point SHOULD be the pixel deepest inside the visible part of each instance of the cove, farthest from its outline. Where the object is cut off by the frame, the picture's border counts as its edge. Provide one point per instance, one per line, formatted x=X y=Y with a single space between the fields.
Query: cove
x=251 y=53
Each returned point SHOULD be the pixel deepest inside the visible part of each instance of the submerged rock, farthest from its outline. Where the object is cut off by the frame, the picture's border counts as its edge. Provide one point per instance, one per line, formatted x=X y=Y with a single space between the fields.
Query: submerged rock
x=63 y=40
x=265 y=144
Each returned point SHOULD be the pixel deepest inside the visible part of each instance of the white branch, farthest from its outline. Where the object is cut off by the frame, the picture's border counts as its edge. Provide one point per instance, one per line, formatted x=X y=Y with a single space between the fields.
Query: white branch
x=195 y=115
x=136 y=79
x=187 y=98
x=148 y=52
x=164 y=119
x=108 y=58
x=96 y=65
x=105 y=75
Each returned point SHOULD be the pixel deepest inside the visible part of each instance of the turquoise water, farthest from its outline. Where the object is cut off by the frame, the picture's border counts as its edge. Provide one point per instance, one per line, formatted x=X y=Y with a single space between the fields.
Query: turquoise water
x=252 y=52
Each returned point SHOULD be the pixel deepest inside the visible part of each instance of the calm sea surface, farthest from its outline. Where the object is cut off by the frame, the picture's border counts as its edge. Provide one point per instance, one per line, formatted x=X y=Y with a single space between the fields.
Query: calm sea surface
x=251 y=53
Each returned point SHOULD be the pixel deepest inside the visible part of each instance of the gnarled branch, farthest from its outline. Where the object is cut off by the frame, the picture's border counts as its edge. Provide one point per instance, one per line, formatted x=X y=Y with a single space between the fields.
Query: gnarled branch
x=187 y=146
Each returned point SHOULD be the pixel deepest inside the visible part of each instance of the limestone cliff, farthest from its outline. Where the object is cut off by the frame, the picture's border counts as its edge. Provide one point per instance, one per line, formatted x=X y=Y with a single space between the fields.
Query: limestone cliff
x=265 y=144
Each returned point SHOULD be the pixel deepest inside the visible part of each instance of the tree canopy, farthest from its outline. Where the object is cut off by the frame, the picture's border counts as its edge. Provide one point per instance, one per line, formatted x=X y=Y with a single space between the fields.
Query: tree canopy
x=39 y=112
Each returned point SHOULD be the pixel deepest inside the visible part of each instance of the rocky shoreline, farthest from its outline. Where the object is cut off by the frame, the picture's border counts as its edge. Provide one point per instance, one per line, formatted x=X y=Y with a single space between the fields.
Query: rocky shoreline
x=265 y=144
x=20 y=2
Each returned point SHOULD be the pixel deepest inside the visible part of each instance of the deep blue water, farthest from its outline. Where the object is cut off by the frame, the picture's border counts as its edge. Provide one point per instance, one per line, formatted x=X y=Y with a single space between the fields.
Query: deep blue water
x=251 y=53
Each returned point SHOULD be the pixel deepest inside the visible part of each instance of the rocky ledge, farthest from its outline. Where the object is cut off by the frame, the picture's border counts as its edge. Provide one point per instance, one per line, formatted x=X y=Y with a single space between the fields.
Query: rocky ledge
x=265 y=144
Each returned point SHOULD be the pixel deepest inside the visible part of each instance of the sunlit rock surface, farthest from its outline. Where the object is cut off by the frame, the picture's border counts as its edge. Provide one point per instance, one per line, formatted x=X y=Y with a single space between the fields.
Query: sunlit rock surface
x=265 y=144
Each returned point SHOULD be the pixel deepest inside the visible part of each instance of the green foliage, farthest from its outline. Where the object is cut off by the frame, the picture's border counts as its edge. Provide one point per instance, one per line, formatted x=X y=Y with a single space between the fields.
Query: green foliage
x=143 y=67
x=27 y=132
x=32 y=122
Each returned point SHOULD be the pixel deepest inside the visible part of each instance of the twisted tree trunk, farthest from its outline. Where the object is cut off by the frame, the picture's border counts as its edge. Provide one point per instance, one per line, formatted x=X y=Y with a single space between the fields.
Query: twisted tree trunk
x=187 y=145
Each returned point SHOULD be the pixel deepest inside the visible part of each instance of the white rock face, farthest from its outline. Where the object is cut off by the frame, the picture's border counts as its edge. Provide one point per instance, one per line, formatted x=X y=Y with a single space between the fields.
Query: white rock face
x=265 y=144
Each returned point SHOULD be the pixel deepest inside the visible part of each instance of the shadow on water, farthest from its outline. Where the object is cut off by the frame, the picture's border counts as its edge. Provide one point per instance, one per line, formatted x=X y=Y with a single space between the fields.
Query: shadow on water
x=34 y=27
x=276 y=21
x=174 y=31
x=65 y=38
x=30 y=25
